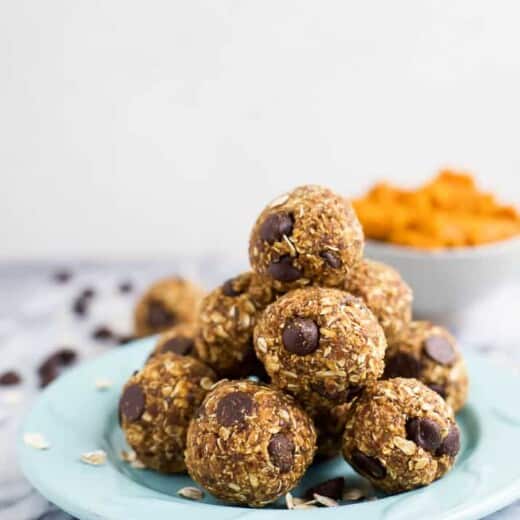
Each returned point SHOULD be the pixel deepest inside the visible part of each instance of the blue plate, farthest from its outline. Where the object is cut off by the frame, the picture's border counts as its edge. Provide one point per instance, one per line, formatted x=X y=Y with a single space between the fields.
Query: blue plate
x=75 y=418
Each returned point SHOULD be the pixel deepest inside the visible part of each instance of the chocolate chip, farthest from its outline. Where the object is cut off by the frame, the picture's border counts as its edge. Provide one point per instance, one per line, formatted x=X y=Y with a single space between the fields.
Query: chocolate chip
x=301 y=336
x=353 y=392
x=126 y=287
x=439 y=349
x=332 y=488
x=281 y=451
x=80 y=306
x=283 y=270
x=124 y=339
x=330 y=258
x=103 y=333
x=275 y=226
x=451 y=444
x=62 y=276
x=402 y=365
x=132 y=402
x=88 y=293
x=180 y=345
x=440 y=389
x=10 y=378
x=229 y=290
x=233 y=408
x=368 y=465
x=159 y=317
x=54 y=365
x=425 y=432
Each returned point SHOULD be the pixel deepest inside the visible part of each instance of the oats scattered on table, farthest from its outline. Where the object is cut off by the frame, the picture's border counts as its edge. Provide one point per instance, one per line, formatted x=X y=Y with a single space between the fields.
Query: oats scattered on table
x=103 y=383
x=353 y=494
x=94 y=458
x=325 y=501
x=36 y=441
x=192 y=493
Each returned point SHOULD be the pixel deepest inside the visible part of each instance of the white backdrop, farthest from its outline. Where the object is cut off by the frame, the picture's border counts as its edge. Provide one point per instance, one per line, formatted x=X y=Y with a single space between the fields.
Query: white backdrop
x=132 y=128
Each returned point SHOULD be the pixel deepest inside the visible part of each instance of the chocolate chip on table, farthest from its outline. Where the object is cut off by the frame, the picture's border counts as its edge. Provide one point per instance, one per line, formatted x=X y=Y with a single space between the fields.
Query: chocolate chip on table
x=62 y=276
x=281 y=451
x=103 y=333
x=54 y=365
x=451 y=444
x=80 y=306
x=158 y=315
x=301 y=336
x=402 y=365
x=332 y=488
x=88 y=293
x=132 y=402
x=425 y=432
x=439 y=389
x=283 y=270
x=275 y=226
x=10 y=378
x=124 y=339
x=180 y=345
x=229 y=290
x=439 y=349
x=331 y=258
x=368 y=465
x=234 y=408
x=126 y=287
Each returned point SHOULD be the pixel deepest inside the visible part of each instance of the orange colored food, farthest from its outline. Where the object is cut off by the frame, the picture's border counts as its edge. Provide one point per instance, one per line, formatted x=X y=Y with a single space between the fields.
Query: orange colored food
x=448 y=211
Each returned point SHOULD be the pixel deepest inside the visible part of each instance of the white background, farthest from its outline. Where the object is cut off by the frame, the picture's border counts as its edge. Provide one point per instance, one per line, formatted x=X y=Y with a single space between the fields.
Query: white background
x=152 y=128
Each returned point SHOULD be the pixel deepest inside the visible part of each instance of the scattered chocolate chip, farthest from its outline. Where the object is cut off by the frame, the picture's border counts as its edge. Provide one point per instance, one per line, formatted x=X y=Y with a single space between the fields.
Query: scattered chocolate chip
x=451 y=444
x=10 y=378
x=402 y=365
x=80 y=306
x=301 y=336
x=440 y=389
x=229 y=290
x=332 y=488
x=275 y=226
x=159 y=317
x=233 y=408
x=180 y=345
x=330 y=258
x=54 y=365
x=439 y=349
x=353 y=392
x=368 y=465
x=281 y=451
x=103 y=333
x=88 y=293
x=62 y=276
x=132 y=402
x=124 y=339
x=283 y=270
x=126 y=287
x=424 y=432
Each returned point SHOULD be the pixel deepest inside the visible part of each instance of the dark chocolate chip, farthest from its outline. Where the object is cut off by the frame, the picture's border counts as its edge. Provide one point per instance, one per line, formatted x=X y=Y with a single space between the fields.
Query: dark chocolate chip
x=275 y=226
x=54 y=365
x=80 y=306
x=331 y=258
x=124 y=339
x=103 y=333
x=281 y=451
x=402 y=365
x=353 y=392
x=132 y=402
x=439 y=349
x=159 y=316
x=440 y=389
x=332 y=488
x=425 y=432
x=88 y=293
x=301 y=336
x=62 y=276
x=451 y=444
x=233 y=408
x=180 y=345
x=368 y=465
x=283 y=270
x=229 y=290
x=10 y=378
x=126 y=287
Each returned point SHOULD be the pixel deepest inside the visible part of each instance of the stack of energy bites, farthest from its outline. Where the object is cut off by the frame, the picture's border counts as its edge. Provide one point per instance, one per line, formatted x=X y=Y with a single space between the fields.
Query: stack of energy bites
x=312 y=352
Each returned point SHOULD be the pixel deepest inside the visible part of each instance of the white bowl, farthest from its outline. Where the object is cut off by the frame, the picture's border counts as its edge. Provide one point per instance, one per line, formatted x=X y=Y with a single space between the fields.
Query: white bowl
x=446 y=283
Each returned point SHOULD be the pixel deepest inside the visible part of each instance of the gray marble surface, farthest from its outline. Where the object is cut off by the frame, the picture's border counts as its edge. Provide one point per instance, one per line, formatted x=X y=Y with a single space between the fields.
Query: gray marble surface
x=36 y=319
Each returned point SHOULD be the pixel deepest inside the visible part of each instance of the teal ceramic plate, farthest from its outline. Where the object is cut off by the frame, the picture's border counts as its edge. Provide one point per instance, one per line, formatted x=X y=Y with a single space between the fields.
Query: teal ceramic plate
x=75 y=418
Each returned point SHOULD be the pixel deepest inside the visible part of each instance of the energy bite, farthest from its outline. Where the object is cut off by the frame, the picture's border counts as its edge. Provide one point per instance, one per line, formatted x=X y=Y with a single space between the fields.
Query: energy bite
x=400 y=435
x=308 y=236
x=156 y=406
x=179 y=340
x=321 y=345
x=225 y=325
x=430 y=353
x=385 y=293
x=166 y=303
x=249 y=443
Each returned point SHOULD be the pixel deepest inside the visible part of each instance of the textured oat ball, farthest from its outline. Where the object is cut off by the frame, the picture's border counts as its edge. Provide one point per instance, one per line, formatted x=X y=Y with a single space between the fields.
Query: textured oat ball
x=308 y=236
x=225 y=325
x=179 y=340
x=385 y=293
x=430 y=353
x=156 y=406
x=166 y=303
x=400 y=435
x=249 y=443
x=321 y=345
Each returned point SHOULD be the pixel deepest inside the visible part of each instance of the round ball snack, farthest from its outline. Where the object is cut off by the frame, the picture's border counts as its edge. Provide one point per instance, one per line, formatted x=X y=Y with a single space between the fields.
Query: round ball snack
x=385 y=293
x=225 y=325
x=400 y=435
x=249 y=443
x=156 y=406
x=308 y=236
x=166 y=303
x=321 y=345
x=179 y=340
x=430 y=353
